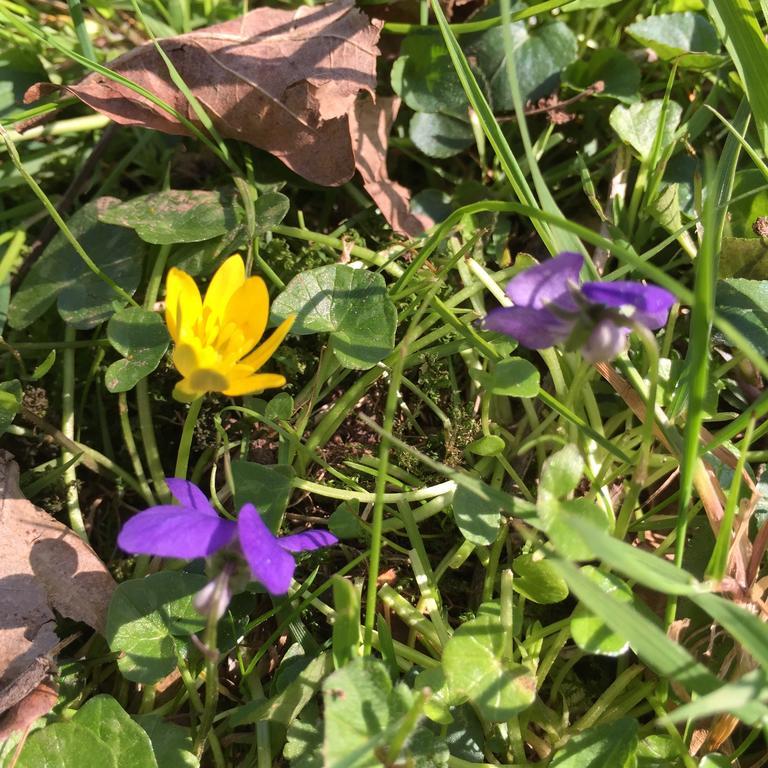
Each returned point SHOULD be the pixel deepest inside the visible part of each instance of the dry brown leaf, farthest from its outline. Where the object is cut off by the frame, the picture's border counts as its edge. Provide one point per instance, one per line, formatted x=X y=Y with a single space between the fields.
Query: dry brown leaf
x=43 y=566
x=37 y=703
x=370 y=124
x=282 y=80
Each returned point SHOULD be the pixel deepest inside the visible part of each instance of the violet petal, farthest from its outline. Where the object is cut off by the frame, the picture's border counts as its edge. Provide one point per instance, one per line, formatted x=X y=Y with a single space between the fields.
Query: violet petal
x=651 y=302
x=546 y=283
x=172 y=531
x=533 y=328
x=270 y=563
x=307 y=541
x=189 y=495
x=607 y=341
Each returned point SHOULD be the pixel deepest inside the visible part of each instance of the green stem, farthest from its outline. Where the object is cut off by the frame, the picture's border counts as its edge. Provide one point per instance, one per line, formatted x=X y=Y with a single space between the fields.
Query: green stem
x=76 y=521
x=76 y=12
x=148 y=440
x=182 y=458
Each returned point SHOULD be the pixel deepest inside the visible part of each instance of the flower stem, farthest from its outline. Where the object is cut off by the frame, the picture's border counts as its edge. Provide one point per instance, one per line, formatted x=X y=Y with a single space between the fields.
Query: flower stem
x=68 y=429
x=182 y=458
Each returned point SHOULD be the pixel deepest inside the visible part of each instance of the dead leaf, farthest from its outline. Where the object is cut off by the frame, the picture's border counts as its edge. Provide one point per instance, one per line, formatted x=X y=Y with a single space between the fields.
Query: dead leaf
x=370 y=125
x=43 y=566
x=37 y=703
x=282 y=80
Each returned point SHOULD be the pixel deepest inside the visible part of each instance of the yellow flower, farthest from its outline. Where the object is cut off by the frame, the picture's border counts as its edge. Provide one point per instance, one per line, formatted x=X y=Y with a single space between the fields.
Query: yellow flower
x=215 y=337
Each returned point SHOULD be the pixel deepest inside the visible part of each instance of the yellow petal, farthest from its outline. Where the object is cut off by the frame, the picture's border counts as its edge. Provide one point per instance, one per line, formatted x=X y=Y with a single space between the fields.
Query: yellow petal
x=208 y=380
x=228 y=278
x=184 y=392
x=255 y=383
x=248 y=309
x=182 y=302
x=185 y=359
x=258 y=357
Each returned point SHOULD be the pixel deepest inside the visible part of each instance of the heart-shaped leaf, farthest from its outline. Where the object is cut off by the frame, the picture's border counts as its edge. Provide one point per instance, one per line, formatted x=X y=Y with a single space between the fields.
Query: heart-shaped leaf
x=175 y=215
x=350 y=304
x=743 y=303
x=476 y=669
x=477 y=518
x=84 y=299
x=638 y=124
x=440 y=135
x=140 y=336
x=146 y=616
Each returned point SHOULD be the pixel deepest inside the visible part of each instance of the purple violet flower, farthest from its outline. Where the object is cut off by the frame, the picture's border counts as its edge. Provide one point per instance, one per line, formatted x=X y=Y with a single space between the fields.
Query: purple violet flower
x=194 y=529
x=552 y=307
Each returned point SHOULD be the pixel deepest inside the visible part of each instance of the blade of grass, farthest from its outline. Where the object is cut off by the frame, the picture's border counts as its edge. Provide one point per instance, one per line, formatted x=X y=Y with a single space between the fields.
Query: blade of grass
x=491 y=128
x=739 y=29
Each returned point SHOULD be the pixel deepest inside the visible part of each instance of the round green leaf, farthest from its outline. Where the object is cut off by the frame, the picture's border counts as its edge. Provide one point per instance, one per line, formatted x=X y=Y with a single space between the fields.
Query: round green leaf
x=171 y=743
x=127 y=740
x=439 y=135
x=743 y=303
x=619 y=74
x=613 y=744
x=140 y=336
x=84 y=300
x=270 y=209
x=637 y=124
x=537 y=580
x=555 y=514
x=424 y=76
x=688 y=38
x=589 y=632
x=66 y=745
x=351 y=304
x=476 y=669
x=562 y=472
x=514 y=377
x=176 y=215
x=540 y=52
x=146 y=616
x=477 y=518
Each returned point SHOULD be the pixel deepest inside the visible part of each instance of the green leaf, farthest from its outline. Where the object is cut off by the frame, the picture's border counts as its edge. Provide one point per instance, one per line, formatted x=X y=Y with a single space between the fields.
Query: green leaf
x=750 y=203
x=582 y=5
x=745 y=257
x=662 y=654
x=127 y=740
x=438 y=135
x=270 y=209
x=537 y=579
x=304 y=745
x=66 y=745
x=424 y=77
x=540 y=52
x=44 y=367
x=556 y=517
x=145 y=618
x=638 y=124
x=487 y=445
x=10 y=402
x=619 y=74
x=613 y=744
x=513 y=377
x=477 y=517
x=739 y=29
x=350 y=304
x=175 y=215
x=346 y=622
x=171 y=743
x=590 y=632
x=745 y=304
x=687 y=38
x=267 y=487
x=286 y=706
x=562 y=472
x=140 y=336
x=19 y=70
x=476 y=669
x=84 y=300
x=363 y=712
